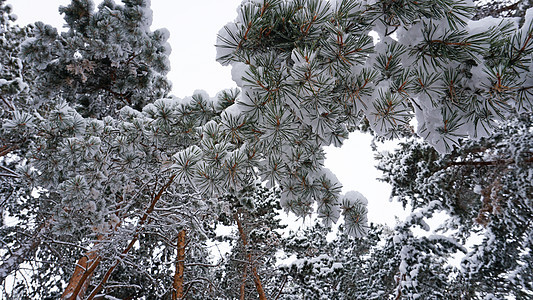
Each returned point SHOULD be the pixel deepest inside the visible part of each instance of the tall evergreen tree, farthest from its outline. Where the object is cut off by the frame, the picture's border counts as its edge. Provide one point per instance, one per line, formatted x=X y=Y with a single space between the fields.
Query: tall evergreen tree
x=107 y=59
x=485 y=190
x=15 y=196
x=99 y=178
x=113 y=174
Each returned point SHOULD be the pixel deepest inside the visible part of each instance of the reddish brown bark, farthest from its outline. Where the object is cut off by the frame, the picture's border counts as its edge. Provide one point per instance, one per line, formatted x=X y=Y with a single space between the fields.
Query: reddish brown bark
x=79 y=281
x=4 y=150
x=177 y=293
x=256 y=278
x=85 y=267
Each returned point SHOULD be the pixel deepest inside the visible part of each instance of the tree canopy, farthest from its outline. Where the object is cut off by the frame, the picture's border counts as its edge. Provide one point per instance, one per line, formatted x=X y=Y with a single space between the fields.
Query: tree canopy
x=117 y=188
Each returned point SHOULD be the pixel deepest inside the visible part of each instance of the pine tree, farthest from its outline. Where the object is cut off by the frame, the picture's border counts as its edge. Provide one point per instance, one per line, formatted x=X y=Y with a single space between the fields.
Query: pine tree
x=14 y=193
x=108 y=59
x=122 y=170
x=330 y=269
x=309 y=72
x=467 y=185
x=502 y=8
x=102 y=179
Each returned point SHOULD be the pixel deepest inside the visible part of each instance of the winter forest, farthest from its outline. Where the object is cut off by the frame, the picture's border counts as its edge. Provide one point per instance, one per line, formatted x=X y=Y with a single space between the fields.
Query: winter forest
x=113 y=188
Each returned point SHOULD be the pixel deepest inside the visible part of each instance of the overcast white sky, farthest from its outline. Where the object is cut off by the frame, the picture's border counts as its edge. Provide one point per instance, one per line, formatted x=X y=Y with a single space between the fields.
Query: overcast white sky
x=193 y=26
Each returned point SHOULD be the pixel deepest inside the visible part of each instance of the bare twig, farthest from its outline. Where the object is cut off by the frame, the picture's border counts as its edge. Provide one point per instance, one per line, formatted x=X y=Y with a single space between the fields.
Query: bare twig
x=281 y=288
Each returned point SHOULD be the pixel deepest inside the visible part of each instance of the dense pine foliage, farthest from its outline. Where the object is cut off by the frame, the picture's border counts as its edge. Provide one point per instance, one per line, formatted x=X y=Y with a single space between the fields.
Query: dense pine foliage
x=110 y=187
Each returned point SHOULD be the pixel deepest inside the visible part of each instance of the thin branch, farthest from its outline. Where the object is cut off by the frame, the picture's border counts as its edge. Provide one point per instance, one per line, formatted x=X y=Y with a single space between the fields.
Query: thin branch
x=143 y=219
x=23 y=252
x=198 y=280
x=9 y=170
x=4 y=150
x=202 y=265
x=281 y=288
x=7 y=103
x=257 y=280
x=487 y=163
x=66 y=244
x=9 y=175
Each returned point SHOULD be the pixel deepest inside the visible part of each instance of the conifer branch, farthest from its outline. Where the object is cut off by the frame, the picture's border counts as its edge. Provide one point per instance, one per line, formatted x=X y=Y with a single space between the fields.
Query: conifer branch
x=4 y=150
x=21 y=255
x=281 y=287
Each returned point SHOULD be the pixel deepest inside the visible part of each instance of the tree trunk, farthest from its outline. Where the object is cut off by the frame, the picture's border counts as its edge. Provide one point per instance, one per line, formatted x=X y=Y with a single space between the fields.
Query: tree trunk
x=79 y=281
x=257 y=280
x=177 y=292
